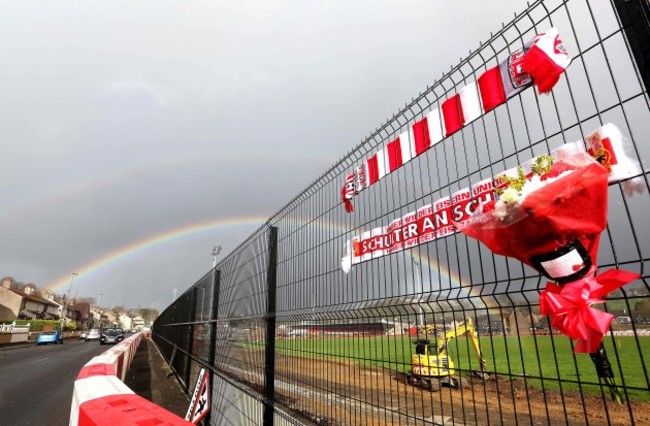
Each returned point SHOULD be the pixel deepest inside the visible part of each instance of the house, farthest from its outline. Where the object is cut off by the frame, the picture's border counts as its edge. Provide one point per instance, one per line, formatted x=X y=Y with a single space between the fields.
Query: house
x=491 y=324
x=16 y=304
x=624 y=319
x=95 y=318
x=522 y=322
x=125 y=322
x=79 y=312
x=138 y=323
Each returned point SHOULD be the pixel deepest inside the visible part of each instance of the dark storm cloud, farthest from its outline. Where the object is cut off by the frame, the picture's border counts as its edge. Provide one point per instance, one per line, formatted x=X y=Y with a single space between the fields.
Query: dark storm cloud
x=122 y=121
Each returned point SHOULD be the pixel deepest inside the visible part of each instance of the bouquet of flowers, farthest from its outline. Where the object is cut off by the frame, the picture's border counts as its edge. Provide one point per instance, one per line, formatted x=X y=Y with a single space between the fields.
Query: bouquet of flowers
x=549 y=214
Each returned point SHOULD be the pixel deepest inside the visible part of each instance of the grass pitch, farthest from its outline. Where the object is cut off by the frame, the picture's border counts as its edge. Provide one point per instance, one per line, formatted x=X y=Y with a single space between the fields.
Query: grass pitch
x=543 y=362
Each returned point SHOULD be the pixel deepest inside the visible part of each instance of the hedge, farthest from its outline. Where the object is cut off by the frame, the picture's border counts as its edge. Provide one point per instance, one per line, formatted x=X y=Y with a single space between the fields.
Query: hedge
x=38 y=325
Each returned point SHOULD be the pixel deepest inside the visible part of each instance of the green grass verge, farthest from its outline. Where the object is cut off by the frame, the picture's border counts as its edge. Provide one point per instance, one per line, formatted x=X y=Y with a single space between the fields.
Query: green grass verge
x=543 y=361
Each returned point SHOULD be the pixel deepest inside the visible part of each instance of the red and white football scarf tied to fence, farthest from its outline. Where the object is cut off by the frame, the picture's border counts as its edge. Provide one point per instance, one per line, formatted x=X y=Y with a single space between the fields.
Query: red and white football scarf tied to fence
x=540 y=62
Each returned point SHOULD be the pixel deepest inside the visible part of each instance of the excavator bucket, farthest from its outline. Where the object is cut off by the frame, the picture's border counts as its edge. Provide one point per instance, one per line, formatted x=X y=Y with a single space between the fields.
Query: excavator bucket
x=481 y=374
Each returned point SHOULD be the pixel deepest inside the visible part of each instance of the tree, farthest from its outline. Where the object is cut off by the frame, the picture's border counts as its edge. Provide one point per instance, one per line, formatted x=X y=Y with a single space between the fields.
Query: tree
x=149 y=314
x=8 y=278
x=642 y=307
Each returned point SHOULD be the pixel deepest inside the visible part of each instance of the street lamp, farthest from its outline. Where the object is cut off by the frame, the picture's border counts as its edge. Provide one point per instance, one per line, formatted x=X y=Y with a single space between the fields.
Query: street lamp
x=74 y=274
x=65 y=302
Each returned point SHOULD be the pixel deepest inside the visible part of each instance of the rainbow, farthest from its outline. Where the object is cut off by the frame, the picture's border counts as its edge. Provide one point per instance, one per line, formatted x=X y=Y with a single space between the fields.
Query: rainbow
x=149 y=242
x=466 y=290
x=169 y=236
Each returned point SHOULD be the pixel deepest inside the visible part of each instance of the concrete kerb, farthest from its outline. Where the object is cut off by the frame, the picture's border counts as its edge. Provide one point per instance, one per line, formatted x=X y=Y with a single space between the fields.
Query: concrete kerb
x=15 y=345
x=100 y=398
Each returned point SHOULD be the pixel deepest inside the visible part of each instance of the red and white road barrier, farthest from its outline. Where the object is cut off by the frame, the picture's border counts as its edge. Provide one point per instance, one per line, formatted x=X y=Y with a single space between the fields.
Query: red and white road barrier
x=100 y=397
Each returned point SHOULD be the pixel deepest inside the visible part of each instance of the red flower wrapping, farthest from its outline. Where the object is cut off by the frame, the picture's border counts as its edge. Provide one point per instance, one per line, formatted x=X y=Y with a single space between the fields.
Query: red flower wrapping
x=571 y=208
x=556 y=230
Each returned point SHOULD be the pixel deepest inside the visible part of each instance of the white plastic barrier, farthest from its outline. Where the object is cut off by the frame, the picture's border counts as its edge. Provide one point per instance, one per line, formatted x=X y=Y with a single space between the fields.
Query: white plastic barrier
x=629 y=333
x=100 y=397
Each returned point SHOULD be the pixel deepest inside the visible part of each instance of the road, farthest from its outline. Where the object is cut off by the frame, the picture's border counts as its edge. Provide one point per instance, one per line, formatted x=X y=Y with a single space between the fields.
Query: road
x=36 y=381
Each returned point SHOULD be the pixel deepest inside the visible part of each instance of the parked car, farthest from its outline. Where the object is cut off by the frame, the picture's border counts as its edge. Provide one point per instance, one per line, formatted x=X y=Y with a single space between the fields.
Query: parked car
x=93 y=334
x=52 y=336
x=83 y=335
x=111 y=335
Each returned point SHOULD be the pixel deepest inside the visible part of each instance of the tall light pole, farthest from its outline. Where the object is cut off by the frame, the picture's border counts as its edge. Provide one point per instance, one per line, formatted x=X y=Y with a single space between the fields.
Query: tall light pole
x=215 y=252
x=98 y=312
x=74 y=274
x=418 y=276
x=65 y=302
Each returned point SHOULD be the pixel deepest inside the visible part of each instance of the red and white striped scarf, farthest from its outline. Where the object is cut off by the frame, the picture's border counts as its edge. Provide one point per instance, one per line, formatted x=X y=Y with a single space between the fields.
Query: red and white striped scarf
x=540 y=62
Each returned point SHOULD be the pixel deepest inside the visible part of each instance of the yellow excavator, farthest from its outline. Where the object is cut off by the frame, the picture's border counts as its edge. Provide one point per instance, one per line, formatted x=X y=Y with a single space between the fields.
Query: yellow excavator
x=430 y=329
x=431 y=363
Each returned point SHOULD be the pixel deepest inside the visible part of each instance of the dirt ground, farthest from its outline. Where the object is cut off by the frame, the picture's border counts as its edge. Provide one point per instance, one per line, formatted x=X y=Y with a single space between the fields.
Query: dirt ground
x=343 y=393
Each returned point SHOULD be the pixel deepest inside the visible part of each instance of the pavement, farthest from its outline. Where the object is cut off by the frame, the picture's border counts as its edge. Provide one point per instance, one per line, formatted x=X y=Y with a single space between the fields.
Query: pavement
x=150 y=377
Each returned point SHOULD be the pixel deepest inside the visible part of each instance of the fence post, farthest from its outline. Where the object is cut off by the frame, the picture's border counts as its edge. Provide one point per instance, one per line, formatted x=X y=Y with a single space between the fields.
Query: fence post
x=192 y=318
x=269 y=369
x=216 y=287
x=635 y=19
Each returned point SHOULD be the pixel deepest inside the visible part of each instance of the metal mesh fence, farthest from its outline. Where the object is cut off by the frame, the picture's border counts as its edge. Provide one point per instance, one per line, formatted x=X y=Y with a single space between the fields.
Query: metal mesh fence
x=291 y=339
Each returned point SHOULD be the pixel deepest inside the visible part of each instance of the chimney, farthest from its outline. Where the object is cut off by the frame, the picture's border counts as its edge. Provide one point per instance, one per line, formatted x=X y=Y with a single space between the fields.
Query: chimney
x=6 y=283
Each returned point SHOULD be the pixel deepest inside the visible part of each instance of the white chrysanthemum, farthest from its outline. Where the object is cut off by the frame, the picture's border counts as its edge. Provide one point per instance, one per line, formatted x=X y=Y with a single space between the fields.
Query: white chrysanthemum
x=500 y=211
x=510 y=199
x=510 y=196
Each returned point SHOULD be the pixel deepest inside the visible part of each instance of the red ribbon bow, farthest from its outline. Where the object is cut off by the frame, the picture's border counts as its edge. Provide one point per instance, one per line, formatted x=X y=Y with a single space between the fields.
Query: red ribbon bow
x=570 y=308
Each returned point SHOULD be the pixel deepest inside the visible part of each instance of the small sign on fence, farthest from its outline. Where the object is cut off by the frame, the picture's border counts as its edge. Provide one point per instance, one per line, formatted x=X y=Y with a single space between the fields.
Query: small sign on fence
x=200 y=403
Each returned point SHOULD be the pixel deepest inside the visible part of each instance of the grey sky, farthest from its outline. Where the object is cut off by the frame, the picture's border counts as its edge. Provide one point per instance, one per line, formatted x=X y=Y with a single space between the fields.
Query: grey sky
x=121 y=121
